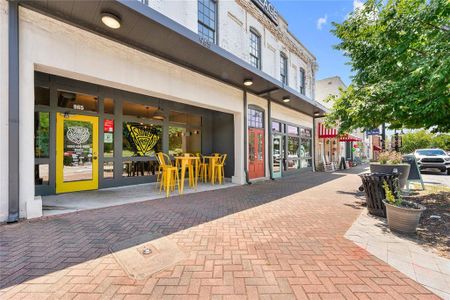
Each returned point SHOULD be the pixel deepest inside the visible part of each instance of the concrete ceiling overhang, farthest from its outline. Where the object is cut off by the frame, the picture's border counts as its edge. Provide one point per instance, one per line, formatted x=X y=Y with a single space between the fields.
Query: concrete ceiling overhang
x=147 y=30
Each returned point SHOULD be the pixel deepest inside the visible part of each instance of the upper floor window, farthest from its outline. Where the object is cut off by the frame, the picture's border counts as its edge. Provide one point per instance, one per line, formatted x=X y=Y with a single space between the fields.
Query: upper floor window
x=284 y=68
x=207 y=19
x=255 y=49
x=302 y=81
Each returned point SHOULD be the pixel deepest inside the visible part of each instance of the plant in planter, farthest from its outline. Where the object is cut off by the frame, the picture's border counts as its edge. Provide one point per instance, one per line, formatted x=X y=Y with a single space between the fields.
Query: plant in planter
x=402 y=216
x=390 y=162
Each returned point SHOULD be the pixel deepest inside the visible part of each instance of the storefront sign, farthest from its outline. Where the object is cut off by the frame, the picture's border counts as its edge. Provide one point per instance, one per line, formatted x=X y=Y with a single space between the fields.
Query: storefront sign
x=268 y=9
x=108 y=126
x=375 y=131
x=108 y=138
x=78 y=107
x=78 y=135
x=143 y=138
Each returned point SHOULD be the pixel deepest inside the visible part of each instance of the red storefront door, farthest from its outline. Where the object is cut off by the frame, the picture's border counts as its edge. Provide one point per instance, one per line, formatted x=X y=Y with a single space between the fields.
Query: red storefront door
x=255 y=152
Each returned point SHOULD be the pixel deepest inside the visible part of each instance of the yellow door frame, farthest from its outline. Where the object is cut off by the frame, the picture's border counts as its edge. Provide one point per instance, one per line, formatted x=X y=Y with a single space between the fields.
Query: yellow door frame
x=82 y=185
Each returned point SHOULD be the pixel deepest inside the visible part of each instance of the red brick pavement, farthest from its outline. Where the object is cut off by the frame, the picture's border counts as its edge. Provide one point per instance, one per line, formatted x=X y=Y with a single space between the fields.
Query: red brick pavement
x=277 y=240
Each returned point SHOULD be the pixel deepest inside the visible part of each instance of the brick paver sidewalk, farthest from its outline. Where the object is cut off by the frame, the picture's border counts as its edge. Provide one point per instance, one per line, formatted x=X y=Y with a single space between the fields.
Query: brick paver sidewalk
x=280 y=239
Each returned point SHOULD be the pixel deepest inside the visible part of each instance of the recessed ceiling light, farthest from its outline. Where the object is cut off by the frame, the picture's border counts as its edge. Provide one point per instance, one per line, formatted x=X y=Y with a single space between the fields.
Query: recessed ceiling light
x=316 y=114
x=111 y=20
x=286 y=99
x=248 y=82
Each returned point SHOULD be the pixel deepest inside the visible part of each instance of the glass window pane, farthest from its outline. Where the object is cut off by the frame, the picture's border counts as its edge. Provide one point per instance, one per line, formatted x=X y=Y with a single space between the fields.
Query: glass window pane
x=293 y=164
x=77 y=101
x=108 y=170
x=41 y=134
x=108 y=106
x=141 y=139
x=41 y=174
x=276 y=126
x=207 y=19
x=108 y=138
x=77 y=150
x=139 y=168
x=302 y=81
x=182 y=140
x=41 y=95
x=255 y=118
x=292 y=129
x=305 y=150
x=293 y=146
x=141 y=111
x=255 y=50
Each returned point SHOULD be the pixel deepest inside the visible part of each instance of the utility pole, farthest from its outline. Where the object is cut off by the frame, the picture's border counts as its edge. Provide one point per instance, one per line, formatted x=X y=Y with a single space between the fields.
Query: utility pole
x=383 y=136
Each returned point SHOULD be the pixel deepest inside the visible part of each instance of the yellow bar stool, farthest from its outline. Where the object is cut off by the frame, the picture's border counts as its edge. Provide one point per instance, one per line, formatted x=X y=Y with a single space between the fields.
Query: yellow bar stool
x=203 y=168
x=219 y=168
x=169 y=174
x=159 y=175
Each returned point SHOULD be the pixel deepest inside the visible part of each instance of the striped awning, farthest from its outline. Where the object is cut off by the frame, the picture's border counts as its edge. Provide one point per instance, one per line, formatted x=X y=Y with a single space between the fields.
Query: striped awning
x=325 y=132
x=349 y=138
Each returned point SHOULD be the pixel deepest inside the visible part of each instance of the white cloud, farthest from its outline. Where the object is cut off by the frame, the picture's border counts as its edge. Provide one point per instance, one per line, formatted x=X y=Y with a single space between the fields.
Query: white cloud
x=357 y=4
x=321 y=21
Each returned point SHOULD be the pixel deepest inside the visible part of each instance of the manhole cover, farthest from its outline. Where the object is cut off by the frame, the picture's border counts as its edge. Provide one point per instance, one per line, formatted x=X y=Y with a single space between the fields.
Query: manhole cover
x=144 y=255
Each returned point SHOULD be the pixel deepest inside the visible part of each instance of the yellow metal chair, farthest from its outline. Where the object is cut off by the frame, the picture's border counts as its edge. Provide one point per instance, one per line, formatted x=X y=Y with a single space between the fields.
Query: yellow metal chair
x=159 y=175
x=203 y=168
x=169 y=174
x=219 y=168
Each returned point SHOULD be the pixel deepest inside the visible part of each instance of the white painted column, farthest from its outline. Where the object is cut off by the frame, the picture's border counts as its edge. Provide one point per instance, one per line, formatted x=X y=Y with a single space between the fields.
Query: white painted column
x=3 y=110
x=239 y=176
x=29 y=207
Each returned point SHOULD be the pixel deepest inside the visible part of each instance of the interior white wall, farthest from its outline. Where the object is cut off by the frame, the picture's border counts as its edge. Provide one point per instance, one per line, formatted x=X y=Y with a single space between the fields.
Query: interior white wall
x=3 y=110
x=51 y=46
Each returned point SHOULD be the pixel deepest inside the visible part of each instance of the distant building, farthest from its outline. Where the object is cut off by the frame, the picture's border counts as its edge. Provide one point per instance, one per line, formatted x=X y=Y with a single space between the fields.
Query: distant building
x=330 y=147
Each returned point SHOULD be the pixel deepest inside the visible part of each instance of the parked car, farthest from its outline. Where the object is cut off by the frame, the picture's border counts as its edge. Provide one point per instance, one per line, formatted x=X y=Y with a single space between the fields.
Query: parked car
x=433 y=159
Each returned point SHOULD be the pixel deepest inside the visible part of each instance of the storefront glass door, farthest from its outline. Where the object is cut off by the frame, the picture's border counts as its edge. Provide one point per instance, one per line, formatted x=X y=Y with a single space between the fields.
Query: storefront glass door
x=277 y=156
x=256 y=153
x=76 y=153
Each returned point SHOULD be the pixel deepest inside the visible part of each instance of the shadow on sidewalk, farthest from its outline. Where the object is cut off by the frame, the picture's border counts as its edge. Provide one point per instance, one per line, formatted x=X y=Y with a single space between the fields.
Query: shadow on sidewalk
x=31 y=249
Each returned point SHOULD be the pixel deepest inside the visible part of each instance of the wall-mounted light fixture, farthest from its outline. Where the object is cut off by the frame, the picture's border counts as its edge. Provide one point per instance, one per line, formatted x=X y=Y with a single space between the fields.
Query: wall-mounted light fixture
x=110 y=20
x=286 y=99
x=248 y=82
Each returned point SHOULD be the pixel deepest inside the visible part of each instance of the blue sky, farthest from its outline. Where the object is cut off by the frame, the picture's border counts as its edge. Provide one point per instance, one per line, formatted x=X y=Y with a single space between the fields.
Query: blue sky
x=310 y=21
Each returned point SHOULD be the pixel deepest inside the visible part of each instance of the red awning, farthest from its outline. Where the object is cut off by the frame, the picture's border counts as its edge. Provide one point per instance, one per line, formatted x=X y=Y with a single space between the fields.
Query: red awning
x=326 y=132
x=349 y=138
x=376 y=148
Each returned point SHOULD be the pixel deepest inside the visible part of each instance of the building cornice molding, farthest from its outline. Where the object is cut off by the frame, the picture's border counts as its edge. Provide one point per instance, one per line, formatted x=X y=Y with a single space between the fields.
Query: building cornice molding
x=283 y=37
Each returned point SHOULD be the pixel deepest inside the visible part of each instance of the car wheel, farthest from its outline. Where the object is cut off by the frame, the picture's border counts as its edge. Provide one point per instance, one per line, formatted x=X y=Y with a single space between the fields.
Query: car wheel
x=448 y=171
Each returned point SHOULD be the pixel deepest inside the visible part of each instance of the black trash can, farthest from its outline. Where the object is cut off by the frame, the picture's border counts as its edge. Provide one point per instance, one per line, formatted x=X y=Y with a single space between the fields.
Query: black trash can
x=373 y=187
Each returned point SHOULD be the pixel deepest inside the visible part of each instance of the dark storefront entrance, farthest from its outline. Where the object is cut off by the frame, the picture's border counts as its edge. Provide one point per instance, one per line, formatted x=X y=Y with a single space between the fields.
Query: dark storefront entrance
x=89 y=136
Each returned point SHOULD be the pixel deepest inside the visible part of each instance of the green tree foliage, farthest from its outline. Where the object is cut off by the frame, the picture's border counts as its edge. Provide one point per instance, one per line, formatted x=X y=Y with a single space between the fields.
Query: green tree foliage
x=416 y=140
x=399 y=53
x=423 y=139
x=441 y=141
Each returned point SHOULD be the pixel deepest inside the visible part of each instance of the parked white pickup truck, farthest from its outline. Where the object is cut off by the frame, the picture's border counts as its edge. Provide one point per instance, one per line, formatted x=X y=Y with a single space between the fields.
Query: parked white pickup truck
x=433 y=159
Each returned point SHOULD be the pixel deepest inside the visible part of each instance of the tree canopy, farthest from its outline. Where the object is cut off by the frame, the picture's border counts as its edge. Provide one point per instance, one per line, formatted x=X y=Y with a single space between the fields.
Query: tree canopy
x=423 y=139
x=399 y=51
